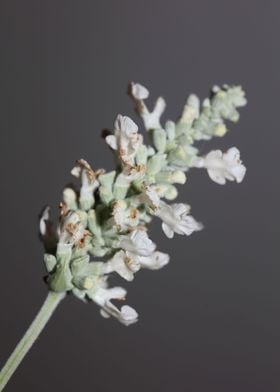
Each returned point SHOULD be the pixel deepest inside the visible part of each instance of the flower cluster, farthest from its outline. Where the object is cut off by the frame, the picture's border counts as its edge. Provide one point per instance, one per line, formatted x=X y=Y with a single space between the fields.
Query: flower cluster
x=102 y=227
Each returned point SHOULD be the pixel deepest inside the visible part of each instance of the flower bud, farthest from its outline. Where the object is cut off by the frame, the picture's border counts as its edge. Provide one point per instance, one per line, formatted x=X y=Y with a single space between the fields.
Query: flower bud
x=170 y=130
x=156 y=163
x=70 y=198
x=141 y=155
x=106 y=186
x=178 y=177
x=171 y=193
x=159 y=139
x=220 y=130
x=50 y=261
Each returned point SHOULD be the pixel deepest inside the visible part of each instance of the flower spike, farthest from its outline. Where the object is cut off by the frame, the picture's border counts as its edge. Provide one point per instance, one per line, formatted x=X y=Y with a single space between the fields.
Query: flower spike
x=108 y=218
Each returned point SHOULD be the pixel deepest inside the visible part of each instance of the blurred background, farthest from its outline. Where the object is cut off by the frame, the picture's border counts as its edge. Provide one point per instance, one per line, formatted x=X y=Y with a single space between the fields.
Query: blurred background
x=210 y=320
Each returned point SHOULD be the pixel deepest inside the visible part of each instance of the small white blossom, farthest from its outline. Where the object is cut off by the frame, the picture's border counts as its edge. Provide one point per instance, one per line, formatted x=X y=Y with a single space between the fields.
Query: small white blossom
x=175 y=219
x=137 y=242
x=151 y=119
x=126 y=139
x=88 y=178
x=155 y=261
x=123 y=216
x=126 y=315
x=126 y=263
x=223 y=166
x=71 y=229
x=130 y=174
x=150 y=196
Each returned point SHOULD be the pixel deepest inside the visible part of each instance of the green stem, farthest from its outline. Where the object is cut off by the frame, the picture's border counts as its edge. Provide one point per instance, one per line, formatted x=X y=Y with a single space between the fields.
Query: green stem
x=50 y=304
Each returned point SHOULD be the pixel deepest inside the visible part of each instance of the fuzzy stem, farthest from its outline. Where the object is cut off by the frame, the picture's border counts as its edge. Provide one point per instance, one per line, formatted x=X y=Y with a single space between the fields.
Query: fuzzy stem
x=47 y=309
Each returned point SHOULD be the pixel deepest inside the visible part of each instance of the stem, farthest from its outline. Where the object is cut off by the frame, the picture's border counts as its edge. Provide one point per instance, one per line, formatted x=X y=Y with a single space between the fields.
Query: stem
x=47 y=309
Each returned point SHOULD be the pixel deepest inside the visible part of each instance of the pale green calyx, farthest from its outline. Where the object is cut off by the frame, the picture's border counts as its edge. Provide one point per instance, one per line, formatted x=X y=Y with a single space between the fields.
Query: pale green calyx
x=103 y=226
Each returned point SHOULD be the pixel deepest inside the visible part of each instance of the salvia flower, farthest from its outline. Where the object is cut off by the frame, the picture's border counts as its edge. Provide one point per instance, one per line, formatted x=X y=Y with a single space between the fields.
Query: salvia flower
x=89 y=183
x=124 y=263
x=155 y=261
x=223 y=166
x=137 y=242
x=151 y=119
x=127 y=263
x=126 y=139
x=126 y=315
x=176 y=219
x=124 y=216
x=70 y=230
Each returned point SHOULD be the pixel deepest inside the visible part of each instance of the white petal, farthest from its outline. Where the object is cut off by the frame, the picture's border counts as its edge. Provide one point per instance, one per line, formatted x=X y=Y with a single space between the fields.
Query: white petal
x=215 y=154
x=144 y=245
x=138 y=91
x=116 y=293
x=156 y=261
x=137 y=243
x=216 y=176
x=44 y=218
x=112 y=141
x=128 y=315
x=232 y=155
x=180 y=209
x=102 y=297
x=76 y=171
x=167 y=230
x=118 y=264
x=189 y=225
x=152 y=119
x=239 y=173
x=124 y=123
x=104 y=314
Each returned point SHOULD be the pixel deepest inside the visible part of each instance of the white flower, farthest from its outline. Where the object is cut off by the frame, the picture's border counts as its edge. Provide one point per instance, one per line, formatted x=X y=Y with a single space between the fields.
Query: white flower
x=155 y=261
x=137 y=242
x=71 y=229
x=126 y=315
x=126 y=177
x=126 y=264
x=89 y=182
x=130 y=174
x=126 y=139
x=176 y=219
x=150 y=196
x=124 y=217
x=151 y=119
x=222 y=167
x=47 y=230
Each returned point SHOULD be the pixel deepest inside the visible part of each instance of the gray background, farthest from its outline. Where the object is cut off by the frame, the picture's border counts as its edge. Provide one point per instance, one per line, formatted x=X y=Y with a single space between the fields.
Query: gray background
x=210 y=320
